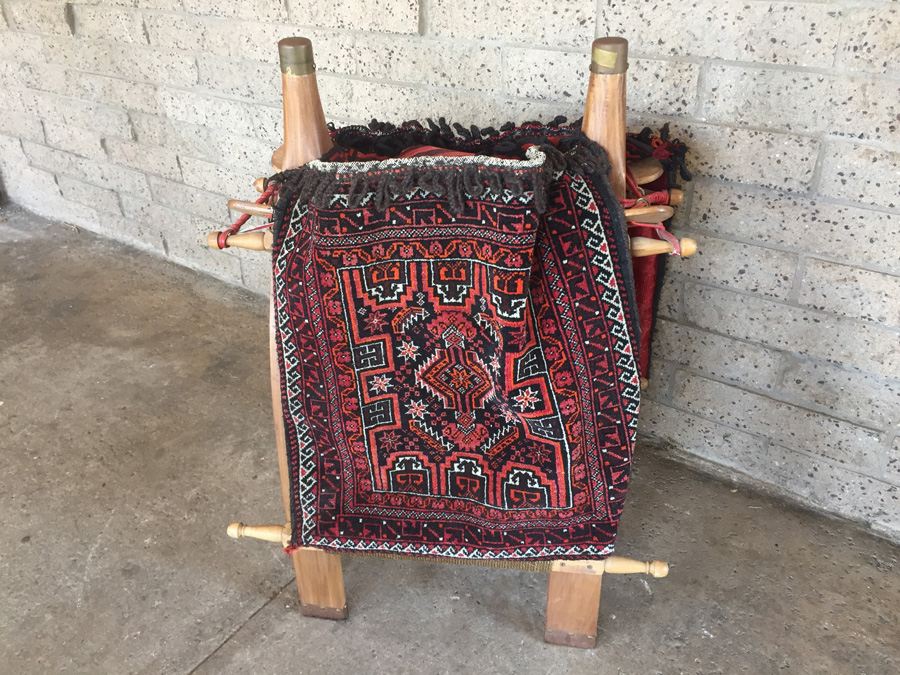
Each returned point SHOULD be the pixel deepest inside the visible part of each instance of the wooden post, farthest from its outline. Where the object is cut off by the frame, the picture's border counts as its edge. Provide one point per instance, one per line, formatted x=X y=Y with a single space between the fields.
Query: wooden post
x=604 y=107
x=573 y=606
x=306 y=136
x=320 y=579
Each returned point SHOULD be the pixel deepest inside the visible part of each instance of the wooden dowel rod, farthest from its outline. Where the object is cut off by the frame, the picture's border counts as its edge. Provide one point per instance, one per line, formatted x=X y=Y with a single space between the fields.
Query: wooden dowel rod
x=278 y=534
x=261 y=240
x=676 y=197
x=641 y=247
x=649 y=214
x=254 y=209
x=614 y=564
x=260 y=184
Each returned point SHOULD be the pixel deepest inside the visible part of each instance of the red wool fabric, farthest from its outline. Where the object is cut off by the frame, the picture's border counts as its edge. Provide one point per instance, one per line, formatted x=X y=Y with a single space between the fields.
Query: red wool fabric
x=457 y=344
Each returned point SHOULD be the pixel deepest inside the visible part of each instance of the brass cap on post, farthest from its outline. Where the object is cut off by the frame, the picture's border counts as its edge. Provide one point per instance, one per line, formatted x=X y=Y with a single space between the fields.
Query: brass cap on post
x=609 y=55
x=296 y=56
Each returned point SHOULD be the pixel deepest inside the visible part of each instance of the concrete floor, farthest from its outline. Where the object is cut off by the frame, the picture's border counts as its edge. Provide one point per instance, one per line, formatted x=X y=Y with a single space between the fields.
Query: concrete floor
x=121 y=465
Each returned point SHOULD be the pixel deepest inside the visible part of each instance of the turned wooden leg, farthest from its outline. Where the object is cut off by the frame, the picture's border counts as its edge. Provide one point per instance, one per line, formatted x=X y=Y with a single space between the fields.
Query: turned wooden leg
x=320 y=582
x=573 y=605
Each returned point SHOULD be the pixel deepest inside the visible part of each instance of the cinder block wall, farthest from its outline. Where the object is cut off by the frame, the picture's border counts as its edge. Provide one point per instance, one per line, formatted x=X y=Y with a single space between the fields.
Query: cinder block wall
x=778 y=350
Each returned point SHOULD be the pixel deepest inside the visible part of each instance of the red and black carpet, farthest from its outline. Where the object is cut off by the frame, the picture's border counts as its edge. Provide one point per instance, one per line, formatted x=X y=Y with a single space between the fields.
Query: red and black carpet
x=457 y=341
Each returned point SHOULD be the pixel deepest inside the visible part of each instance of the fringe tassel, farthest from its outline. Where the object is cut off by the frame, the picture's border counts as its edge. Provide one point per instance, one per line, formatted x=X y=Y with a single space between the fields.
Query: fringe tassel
x=569 y=150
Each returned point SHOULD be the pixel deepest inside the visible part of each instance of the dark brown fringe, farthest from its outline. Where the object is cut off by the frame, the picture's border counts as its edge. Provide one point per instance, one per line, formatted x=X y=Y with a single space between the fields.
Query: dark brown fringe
x=572 y=151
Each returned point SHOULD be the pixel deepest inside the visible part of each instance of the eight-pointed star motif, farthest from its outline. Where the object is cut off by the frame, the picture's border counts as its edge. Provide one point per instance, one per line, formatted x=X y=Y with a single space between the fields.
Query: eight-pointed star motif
x=526 y=399
x=380 y=383
x=409 y=351
x=375 y=321
x=416 y=409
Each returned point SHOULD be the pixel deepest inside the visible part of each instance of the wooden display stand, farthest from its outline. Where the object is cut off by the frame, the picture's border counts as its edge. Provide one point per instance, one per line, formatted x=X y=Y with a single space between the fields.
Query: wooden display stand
x=573 y=591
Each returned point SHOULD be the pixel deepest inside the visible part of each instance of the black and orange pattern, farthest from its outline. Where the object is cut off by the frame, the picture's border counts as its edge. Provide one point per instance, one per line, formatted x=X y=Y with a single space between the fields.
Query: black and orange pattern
x=458 y=370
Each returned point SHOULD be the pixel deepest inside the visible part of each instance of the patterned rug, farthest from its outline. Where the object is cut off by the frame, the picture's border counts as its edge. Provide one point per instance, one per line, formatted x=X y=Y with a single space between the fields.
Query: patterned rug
x=457 y=334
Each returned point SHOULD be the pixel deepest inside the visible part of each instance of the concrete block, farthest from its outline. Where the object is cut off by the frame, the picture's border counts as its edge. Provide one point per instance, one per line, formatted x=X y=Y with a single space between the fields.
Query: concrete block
x=241 y=79
x=565 y=23
x=182 y=237
x=258 y=10
x=846 y=233
x=801 y=331
x=102 y=174
x=247 y=39
x=77 y=141
x=334 y=51
x=823 y=485
x=789 y=33
x=143 y=64
x=854 y=106
x=42 y=77
x=21 y=47
x=720 y=357
x=358 y=15
x=849 y=291
x=870 y=38
x=864 y=107
x=138 y=96
x=190 y=33
x=669 y=301
x=215 y=178
x=183 y=137
x=21 y=123
x=73 y=112
x=249 y=155
x=214 y=145
x=248 y=119
x=869 y=398
x=36 y=189
x=207 y=205
x=697 y=436
x=893 y=463
x=353 y=101
x=662 y=372
x=786 y=424
x=167 y=5
x=37 y=16
x=654 y=86
x=860 y=173
x=108 y=23
x=97 y=198
x=147 y=158
x=662 y=87
x=256 y=271
x=791 y=100
x=546 y=74
x=740 y=266
x=765 y=158
x=138 y=233
x=414 y=60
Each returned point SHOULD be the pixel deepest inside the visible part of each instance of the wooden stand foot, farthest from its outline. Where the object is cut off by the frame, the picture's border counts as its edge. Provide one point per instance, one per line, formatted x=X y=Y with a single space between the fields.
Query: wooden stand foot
x=320 y=583
x=573 y=606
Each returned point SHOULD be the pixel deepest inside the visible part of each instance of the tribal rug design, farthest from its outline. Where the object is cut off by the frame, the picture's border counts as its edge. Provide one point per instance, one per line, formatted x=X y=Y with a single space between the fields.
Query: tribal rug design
x=456 y=335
